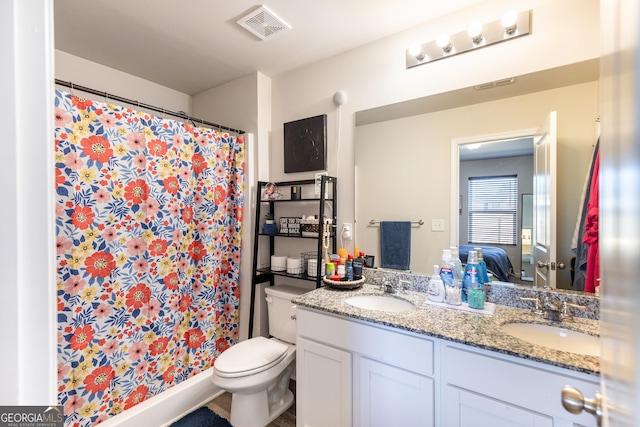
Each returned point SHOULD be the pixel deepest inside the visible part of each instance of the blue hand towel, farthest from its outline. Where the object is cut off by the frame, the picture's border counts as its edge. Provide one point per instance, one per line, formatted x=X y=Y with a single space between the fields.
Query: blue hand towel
x=395 y=244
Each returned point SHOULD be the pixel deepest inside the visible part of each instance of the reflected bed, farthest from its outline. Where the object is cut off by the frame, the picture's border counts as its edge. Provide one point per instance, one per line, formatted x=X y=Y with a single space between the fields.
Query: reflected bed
x=498 y=263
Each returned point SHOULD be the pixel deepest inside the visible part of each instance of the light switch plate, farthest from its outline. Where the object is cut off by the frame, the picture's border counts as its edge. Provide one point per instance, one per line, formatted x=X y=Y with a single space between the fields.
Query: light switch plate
x=437 y=225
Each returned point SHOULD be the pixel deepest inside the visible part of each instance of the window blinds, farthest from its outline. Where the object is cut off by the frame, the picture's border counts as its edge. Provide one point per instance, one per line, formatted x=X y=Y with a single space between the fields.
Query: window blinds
x=493 y=209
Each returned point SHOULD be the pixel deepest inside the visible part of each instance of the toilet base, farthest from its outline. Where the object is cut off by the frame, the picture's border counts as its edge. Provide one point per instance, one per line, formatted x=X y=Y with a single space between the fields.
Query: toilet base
x=261 y=413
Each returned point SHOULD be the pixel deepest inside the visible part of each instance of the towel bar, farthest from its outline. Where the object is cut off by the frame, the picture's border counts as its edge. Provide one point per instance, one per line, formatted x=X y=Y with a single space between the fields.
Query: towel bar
x=419 y=222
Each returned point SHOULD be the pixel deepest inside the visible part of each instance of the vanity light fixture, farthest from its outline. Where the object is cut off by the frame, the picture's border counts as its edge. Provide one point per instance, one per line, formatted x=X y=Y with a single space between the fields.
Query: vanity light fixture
x=511 y=25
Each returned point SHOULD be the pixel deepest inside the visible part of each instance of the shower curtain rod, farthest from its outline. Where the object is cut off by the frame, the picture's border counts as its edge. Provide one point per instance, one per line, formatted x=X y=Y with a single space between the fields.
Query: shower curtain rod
x=180 y=114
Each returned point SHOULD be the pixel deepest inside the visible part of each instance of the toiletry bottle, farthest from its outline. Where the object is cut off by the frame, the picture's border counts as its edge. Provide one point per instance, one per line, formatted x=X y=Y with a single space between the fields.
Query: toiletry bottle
x=471 y=274
x=483 y=266
x=436 y=287
x=446 y=272
x=342 y=271
x=329 y=269
x=473 y=285
x=458 y=271
x=342 y=253
x=350 y=270
x=357 y=268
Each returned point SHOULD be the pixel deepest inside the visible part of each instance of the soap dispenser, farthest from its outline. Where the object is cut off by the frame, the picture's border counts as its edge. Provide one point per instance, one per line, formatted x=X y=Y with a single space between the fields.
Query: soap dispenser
x=436 y=287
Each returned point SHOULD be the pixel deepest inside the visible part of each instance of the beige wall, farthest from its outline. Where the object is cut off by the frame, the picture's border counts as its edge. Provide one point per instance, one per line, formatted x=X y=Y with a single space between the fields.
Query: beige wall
x=412 y=175
x=80 y=71
x=371 y=76
x=375 y=75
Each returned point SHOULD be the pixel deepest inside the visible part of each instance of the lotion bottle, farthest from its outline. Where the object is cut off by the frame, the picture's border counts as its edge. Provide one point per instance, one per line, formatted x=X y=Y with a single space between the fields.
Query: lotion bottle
x=436 y=287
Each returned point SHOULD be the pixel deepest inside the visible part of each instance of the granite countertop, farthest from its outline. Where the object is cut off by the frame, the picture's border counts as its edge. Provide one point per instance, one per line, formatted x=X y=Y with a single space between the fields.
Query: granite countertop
x=468 y=328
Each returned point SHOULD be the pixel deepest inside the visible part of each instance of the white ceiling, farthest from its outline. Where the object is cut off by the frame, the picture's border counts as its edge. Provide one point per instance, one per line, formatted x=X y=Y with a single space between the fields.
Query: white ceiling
x=194 y=45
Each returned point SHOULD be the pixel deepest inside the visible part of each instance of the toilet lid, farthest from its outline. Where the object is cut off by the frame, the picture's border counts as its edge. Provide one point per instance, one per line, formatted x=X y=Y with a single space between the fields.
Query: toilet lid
x=249 y=357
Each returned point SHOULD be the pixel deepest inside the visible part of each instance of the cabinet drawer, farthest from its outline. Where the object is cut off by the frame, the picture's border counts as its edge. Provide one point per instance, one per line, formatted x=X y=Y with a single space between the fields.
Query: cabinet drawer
x=391 y=346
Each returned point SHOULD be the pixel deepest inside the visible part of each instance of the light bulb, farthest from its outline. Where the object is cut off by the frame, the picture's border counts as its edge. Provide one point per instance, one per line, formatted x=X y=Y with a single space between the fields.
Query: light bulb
x=416 y=50
x=475 y=32
x=509 y=21
x=444 y=42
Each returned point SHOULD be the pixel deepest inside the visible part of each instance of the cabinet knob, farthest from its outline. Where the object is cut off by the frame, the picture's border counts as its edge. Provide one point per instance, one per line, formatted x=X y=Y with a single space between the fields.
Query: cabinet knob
x=574 y=402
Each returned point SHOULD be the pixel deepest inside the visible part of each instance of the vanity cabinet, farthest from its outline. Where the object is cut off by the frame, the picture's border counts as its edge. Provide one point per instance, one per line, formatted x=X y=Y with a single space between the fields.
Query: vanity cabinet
x=356 y=373
x=379 y=385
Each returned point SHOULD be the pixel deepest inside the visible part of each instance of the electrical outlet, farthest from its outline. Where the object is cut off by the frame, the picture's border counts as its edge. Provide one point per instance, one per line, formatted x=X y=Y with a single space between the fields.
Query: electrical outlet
x=437 y=225
x=347 y=231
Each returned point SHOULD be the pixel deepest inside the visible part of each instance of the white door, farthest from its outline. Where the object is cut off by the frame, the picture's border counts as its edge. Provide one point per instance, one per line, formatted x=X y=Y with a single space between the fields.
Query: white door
x=323 y=385
x=544 y=203
x=619 y=210
x=390 y=396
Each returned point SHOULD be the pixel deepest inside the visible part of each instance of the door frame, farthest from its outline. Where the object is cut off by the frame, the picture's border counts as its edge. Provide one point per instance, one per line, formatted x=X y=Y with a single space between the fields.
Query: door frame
x=456 y=143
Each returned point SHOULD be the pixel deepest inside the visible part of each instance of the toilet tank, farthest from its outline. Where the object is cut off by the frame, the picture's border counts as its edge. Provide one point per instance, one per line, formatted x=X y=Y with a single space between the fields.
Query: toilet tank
x=280 y=310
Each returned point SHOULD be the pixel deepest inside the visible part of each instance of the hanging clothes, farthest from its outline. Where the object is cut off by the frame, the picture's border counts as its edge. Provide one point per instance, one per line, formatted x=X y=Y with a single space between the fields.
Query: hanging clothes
x=591 y=232
x=578 y=246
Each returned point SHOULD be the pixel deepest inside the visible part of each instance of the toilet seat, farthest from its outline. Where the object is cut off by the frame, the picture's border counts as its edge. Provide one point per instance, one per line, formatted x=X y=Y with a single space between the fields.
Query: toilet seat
x=250 y=357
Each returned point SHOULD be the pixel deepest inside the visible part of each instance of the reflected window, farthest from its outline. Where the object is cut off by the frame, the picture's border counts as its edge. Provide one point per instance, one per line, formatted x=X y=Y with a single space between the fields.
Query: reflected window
x=493 y=209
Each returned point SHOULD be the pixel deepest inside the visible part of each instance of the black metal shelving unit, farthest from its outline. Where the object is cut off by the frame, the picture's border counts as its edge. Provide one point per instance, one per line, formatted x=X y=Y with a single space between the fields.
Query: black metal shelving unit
x=262 y=275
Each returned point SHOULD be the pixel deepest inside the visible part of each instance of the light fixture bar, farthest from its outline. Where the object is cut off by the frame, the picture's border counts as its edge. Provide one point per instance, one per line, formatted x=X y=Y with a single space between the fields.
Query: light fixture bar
x=491 y=33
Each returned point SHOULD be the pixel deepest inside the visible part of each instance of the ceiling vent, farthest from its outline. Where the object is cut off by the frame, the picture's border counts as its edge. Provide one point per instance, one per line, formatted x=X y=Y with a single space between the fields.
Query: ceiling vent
x=263 y=23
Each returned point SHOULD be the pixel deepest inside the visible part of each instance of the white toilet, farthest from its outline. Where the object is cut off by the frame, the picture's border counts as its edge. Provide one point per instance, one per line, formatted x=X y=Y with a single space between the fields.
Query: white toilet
x=257 y=371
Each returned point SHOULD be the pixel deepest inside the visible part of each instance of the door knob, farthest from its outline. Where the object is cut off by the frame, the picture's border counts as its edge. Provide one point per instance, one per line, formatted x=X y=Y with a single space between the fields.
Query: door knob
x=543 y=264
x=574 y=402
x=561 y=266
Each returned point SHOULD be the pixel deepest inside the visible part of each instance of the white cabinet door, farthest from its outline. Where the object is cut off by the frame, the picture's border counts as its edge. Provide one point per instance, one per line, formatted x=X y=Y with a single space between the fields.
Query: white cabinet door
x=466 y=409
x=323 y=385
x=389 y=396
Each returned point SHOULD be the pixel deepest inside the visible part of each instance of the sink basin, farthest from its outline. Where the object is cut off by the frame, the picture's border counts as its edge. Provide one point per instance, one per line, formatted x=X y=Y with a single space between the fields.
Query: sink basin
x=554 y=337
x=380 y=303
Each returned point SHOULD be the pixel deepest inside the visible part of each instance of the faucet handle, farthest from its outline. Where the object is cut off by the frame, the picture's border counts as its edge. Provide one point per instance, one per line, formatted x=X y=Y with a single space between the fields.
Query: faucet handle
x=387 y=286
x=567 y=313
x=403 y=285
x=536 y=310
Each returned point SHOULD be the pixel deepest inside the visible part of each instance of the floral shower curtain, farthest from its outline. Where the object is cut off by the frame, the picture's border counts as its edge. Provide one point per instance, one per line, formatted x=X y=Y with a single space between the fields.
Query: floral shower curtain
x=148 y=220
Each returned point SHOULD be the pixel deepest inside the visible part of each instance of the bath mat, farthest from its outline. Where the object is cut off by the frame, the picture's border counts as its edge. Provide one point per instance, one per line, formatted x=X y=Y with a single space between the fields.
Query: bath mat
x=202 y=417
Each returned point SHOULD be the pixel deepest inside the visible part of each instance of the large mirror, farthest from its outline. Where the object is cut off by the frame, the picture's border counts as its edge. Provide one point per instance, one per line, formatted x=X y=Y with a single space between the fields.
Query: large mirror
x=403 y=158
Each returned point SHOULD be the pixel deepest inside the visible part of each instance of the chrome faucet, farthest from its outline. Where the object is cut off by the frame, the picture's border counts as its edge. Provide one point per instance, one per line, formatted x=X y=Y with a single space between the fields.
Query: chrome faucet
x=567 y=310
x=400 y=286
x=551 y=309
x=544 y=307
x=388 y=288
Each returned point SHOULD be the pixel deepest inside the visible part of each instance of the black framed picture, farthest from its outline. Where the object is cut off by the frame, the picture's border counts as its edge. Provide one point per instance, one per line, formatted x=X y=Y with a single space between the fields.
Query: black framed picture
x=305 y=144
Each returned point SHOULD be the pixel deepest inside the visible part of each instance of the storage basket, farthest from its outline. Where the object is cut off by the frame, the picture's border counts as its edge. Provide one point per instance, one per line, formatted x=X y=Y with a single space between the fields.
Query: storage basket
x=310 y=227
x=311 y=268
